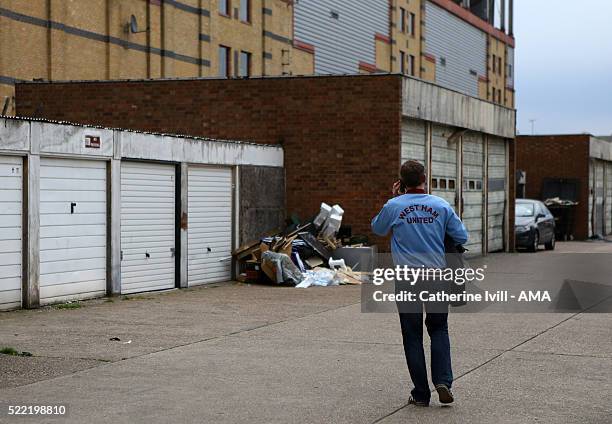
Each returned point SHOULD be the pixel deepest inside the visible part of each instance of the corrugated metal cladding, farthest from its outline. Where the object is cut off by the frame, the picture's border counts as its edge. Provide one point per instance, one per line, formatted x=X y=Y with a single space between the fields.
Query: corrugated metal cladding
x=148 y=226
x=72 y=229
x=341 y=31
x=496 y=193
x=210 y=225
x=444 y=164
x=460 y=50
x=11 y=172
x=473 y=194
x=511 y=69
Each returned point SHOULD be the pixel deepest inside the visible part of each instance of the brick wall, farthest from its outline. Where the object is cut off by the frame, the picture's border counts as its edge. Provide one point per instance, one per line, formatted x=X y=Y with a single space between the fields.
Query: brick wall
x=561 y=156
x=341 y=134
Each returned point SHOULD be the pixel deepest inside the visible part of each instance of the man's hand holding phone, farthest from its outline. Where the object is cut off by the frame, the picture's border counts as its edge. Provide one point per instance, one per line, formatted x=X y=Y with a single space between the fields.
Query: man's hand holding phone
x=398 y=188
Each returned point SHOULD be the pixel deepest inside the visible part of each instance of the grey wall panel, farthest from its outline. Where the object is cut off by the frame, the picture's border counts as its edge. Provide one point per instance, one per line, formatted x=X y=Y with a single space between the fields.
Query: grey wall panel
x=262 y=206
x=430 y=102
x=460 y=45
x=340 y=44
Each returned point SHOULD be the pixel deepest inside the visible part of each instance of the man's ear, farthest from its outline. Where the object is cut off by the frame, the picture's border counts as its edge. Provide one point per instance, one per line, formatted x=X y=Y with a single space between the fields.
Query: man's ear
x=423 y=178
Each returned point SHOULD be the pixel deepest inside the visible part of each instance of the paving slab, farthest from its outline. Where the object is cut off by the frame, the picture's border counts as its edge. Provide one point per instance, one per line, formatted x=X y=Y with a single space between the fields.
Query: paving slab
x=521 y=387
x=18 y=370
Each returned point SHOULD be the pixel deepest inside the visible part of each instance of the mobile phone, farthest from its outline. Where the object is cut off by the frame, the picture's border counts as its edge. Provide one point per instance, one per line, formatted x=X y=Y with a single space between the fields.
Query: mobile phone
x=403 y=187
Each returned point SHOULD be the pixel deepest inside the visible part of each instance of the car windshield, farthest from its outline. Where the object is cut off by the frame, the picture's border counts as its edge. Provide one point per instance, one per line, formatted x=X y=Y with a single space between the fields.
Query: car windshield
x=524 y=209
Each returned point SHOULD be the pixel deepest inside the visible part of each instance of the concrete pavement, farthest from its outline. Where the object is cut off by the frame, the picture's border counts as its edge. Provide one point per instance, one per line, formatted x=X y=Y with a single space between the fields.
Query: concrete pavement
x=240 y=353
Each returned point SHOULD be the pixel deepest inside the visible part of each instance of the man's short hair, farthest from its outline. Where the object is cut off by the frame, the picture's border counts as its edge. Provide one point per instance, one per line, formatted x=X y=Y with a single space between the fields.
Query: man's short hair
x=412 y=173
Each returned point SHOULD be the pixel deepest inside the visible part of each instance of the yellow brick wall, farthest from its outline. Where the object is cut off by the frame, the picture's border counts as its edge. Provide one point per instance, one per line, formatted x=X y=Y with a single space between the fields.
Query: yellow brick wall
x=238 y=35
x=77 y=45
x=497 y=81
x=428 y=69
x=383 y=56
x=409 y=44
x=302 y=62
x=509 y=102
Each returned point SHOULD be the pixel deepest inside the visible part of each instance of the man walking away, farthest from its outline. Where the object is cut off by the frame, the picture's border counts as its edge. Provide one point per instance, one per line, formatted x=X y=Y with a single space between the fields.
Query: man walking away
x=418 y=223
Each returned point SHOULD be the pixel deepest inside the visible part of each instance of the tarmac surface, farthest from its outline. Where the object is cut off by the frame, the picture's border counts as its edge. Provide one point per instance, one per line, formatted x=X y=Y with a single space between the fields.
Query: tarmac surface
x=265 y=354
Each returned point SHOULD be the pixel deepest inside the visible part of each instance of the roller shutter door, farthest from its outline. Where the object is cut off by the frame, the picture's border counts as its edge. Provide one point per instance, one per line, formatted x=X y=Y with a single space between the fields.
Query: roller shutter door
x=473 y=198
x=72 y=229
x=210 y=225
x=496 y=187
x=591 y=195
x=444 y=164
x=609 y=198
x=599 y=197
x=413 y=140
x=11 y=171
x=147 y=227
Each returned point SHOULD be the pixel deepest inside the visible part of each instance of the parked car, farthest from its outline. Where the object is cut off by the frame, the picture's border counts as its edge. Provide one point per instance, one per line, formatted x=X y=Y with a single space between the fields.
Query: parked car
x=534 y=225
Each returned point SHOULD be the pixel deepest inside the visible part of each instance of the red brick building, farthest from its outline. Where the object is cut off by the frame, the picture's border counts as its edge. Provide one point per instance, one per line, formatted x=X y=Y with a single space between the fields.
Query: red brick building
x=573 y=166
x=344 y=136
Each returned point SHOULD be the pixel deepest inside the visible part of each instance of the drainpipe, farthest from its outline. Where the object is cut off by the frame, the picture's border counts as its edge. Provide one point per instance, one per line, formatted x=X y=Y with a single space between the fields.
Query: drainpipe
x=491 y=11
x=502 y=16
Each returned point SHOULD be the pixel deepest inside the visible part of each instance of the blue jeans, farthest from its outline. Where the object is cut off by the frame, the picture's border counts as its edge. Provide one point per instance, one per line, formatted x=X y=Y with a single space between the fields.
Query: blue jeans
x=441 y=369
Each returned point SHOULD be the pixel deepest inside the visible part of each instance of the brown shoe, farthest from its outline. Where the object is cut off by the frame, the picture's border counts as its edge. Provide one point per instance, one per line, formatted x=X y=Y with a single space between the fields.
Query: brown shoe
x=444 y=393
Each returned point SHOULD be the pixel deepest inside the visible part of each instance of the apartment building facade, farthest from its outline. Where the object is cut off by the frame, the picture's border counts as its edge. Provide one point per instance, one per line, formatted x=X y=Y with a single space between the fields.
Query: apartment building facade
x=459 y=44
x=464 y=45
x=134 y=39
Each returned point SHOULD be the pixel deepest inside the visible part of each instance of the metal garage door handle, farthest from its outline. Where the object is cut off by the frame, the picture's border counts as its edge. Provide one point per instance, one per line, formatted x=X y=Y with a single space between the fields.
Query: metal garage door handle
x=147 y=255
x=72 y=206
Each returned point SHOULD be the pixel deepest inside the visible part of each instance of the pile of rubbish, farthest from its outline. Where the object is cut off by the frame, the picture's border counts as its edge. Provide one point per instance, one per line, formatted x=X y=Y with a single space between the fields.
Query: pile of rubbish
x=304 y=255
x=556 y=201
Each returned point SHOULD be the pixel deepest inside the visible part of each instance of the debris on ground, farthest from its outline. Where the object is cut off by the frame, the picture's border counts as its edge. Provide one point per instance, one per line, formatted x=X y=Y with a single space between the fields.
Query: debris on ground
x=319 y=252
x=556 y=201
x=564 y=211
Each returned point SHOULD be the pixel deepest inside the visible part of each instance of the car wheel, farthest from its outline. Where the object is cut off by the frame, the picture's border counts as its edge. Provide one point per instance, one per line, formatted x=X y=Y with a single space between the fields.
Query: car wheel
x=535 y=243
x=551 y=244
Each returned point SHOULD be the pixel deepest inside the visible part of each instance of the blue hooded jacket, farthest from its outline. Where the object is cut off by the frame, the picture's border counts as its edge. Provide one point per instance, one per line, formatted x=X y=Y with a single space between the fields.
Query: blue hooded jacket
x=418 y=223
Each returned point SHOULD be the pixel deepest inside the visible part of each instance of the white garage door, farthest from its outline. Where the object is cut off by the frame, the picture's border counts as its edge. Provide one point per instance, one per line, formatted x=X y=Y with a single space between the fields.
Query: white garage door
x=147 y=227
x=609 y=198
x=444 y=164
x=210 y=225
x=599 y=197
x=10 y=231
x=496 y=193
x=72 y=229
x=473 y=174
x=413 y=140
